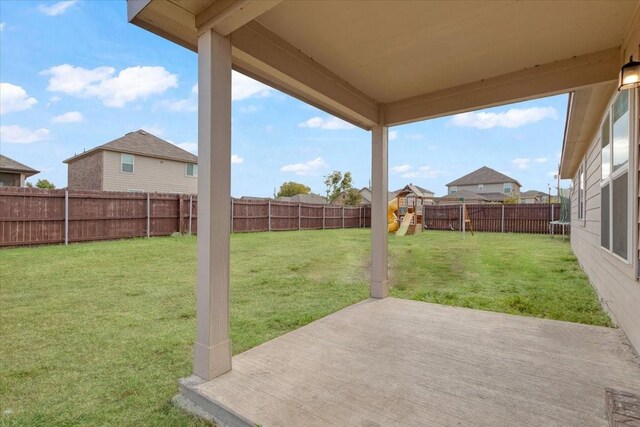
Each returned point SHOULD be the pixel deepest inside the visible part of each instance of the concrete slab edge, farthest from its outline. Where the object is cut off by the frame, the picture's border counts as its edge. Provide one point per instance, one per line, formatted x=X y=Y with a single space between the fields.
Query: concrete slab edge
x=192 y=401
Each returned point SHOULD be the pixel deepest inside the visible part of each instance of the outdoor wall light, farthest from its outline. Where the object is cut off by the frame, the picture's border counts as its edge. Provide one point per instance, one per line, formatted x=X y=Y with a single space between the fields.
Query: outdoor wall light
x=629 y=75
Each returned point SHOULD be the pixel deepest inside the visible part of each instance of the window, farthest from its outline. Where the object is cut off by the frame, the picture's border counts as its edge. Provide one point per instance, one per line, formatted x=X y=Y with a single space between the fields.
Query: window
x=126 y=163
x=192 y=169
x=480 y=186
x=615 y=146
x=507 y=188
x=581 y=191
x=453 y=189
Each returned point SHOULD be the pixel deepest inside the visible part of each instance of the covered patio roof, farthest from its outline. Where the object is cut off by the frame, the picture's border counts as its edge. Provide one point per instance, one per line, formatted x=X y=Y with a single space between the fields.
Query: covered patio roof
x=376 y=64
x=411 y=60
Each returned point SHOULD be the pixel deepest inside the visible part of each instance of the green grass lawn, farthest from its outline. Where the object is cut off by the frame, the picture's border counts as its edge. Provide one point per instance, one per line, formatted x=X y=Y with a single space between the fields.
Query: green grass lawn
x=98 y=333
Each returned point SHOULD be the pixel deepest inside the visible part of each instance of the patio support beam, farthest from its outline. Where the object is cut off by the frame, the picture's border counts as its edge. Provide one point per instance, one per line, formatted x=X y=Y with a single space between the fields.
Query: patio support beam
x=267 y=57
x=226 y=16
x=212 y=349
x=542 y=80
x=379 y=228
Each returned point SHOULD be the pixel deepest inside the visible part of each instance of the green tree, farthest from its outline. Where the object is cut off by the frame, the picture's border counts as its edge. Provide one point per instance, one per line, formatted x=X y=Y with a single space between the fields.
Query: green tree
x=45 y=183
x=512 y=200
x=336 y=183
x=292 y=188
x=353 y=197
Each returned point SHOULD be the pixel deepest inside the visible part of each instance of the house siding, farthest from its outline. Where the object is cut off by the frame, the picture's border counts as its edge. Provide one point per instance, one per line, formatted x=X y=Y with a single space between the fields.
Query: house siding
x=489 y=188
x=149 y=174
x=85 y=173
x=613 y=279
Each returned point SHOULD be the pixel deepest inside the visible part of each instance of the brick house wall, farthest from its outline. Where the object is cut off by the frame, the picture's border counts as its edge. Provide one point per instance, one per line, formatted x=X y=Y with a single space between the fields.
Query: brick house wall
x=85 y=173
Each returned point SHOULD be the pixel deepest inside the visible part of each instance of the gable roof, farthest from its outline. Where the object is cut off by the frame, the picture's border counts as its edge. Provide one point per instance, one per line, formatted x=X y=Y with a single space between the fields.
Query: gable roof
x=484 y=175
x=415 y=189
x=532 y=193
x=8 y=164
x=143 y=143
x=465 y=194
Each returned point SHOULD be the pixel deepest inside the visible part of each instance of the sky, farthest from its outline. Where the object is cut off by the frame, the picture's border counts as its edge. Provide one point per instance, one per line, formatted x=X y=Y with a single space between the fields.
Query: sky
x=75 y=75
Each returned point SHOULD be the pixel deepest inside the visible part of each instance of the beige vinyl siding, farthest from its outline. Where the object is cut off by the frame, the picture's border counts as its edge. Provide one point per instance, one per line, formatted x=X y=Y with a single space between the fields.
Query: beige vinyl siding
x=614 y=280
x=149 y=175
x=489 y=188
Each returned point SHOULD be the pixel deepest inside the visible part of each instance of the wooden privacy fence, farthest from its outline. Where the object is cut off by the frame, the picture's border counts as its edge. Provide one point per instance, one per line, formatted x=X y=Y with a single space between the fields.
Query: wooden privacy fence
x=31 y=216
x=523 y=218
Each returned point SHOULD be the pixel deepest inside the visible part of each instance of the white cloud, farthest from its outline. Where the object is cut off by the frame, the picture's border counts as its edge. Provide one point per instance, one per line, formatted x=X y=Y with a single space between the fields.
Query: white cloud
x=311 y=167
x=191 y=147
x=235 y=159
x=413 y=136
x=18 y=135
x=541 y=160
x=243 y=87
x=393 y=135
x=130 y=84
x=422 y=172
x=194 y=89
x=154 y=130
x=521 y=163
x=14 y=98
x=401 y=169
x=329 y=123
x=2 y=24
x=57 y=8
x=407 y=171
x=552 y=173
x=69 y=117
x=512 y=118
x=180 y=105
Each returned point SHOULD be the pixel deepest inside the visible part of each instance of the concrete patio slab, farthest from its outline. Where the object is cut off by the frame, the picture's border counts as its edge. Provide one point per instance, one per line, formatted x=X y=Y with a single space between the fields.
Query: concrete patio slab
x=406 y=363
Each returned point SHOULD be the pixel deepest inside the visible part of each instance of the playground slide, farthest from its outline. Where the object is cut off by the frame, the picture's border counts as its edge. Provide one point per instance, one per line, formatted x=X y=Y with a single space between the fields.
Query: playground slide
x=406 y=222
x=392 y=219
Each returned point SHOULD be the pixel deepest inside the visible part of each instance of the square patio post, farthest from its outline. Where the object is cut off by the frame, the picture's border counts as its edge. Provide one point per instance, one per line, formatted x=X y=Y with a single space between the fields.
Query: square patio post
x=212 y=349
x=379 y=228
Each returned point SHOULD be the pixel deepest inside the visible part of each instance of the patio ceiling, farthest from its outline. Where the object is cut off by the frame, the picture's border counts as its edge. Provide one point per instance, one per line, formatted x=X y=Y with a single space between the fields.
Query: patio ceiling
x=389 y=62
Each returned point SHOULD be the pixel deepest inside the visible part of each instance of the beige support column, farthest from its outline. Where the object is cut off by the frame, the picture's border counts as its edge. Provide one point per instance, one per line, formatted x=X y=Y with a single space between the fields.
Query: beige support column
x=379 y=229
x=212 y=350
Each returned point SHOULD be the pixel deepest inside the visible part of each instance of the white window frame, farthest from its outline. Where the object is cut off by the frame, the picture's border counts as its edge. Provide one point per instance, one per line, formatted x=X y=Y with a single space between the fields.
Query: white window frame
x=195 y=170
x=453 y=189
x=615 y=174
x=581 y=192
x=480 y=187
x=122 y=163
x=504 y=188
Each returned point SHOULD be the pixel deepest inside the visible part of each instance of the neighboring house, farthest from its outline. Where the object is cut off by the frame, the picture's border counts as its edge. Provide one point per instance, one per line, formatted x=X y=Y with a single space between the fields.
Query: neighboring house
x=137 y=161
x=304 y=198
x=534 y=196
x=600 y=153
x=486 y=181
x=463 y=196
x=13 y=174
x=365 y=197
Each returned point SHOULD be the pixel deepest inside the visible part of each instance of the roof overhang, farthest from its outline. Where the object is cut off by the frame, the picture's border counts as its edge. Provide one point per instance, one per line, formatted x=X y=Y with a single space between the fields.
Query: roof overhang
x=390 y=62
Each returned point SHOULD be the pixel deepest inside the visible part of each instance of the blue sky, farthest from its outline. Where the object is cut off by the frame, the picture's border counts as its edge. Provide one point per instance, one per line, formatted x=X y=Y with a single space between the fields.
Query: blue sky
x=76 y=75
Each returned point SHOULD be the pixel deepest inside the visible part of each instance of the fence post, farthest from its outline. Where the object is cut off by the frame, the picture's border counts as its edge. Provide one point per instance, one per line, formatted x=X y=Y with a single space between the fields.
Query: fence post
x=299 y=216
x=323 y=206
x=148 y=216
x=232 y=215
x=502 y=220
x=461 y=218
x=269 y=215
x=66 y=217
x=190 y=211
x=342 y=216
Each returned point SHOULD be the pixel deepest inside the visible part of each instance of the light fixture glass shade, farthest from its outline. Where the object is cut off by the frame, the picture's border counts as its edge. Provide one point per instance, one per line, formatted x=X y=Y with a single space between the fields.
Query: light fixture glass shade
x=629 y=75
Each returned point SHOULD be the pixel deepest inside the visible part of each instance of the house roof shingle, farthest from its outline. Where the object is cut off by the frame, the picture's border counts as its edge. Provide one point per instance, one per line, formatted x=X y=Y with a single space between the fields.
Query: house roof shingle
x=484 y=175
x=143 y=143
x=466 y=195
x=8 y=164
